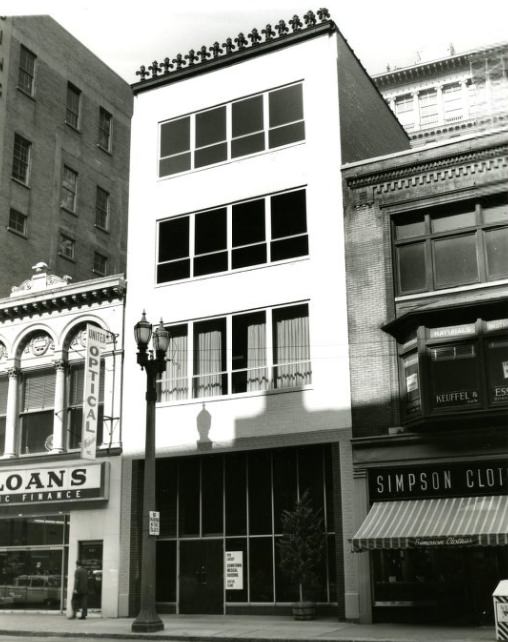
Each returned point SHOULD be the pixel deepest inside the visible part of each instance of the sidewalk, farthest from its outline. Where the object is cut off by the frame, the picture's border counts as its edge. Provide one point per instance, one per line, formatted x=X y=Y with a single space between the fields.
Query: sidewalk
x=240 y=628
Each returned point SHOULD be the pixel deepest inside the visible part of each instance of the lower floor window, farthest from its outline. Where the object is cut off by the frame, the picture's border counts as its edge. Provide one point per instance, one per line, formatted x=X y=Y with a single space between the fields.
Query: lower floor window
x=255 y=351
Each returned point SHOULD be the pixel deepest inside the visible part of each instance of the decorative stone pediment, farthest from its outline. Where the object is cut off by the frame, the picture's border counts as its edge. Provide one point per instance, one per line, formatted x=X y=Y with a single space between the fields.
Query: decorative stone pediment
x=41 y=279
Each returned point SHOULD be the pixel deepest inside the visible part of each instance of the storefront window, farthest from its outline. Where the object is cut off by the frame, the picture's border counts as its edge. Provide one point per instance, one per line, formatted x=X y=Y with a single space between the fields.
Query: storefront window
x=497 y=367
x=454 y=375
x=261 y=569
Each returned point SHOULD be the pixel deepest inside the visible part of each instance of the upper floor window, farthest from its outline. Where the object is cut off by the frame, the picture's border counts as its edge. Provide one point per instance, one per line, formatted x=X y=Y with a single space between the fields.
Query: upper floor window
x=73 y=104
x=66 y=247
x=26 y=72
x=75 y=384
x=243 y=127
x=428 y=106
x=105 y=125
x=254 y=351
x=405 y=110
x=4 y=386
x=18 y=222
x=455 y=369
x=102 y=208
x=21 y=159
x=451 y=246
x=69 y=189
x=255 y=232
x=37 y=411
x=453 y=102
x=100 y=264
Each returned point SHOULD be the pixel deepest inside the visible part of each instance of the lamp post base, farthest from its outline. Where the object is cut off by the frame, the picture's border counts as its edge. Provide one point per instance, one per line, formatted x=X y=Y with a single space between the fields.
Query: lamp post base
x=147 y=622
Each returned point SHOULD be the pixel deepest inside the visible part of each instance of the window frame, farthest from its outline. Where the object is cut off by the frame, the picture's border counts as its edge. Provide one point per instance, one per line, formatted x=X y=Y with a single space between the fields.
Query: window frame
x=26 y=72
x=21 y=160
x=105 y=132
x=47 y=408
x=269 y=242
x=69 y=188
x=428 y=239
x=14 y=228
x=229 y=139
x=269 y=369
x=73 y=106
x=95 y=269
x=71 y=256
x=102 y=210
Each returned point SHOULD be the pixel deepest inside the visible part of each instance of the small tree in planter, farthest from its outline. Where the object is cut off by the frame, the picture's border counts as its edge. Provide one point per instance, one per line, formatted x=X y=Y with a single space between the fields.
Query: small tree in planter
x=301 y=550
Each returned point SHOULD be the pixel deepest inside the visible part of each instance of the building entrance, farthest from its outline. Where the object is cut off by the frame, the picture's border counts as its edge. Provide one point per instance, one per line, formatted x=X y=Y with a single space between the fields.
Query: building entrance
x=201 y=576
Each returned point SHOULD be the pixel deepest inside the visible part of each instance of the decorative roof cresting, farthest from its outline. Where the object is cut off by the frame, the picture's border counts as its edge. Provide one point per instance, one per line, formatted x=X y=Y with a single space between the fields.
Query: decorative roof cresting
x=232 y=45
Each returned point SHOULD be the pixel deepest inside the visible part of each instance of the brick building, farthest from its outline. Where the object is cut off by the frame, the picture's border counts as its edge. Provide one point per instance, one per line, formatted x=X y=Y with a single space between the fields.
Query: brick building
x=236 y=241
x=64 y=160
x=426 y=236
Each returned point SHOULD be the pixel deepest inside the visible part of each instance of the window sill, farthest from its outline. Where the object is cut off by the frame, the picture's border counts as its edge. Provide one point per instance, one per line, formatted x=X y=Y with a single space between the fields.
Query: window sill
x=232 y=397
x=109 y=152
x=67 y=258
x=17 y=232
x=97 y=273
x=25 y=93
x=74 y=129
x=20 y=182
x=102 y=229
x=68 y=211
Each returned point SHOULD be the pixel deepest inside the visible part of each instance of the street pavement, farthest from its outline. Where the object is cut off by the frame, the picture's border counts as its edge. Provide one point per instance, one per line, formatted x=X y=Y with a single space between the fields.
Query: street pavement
x=229 y=628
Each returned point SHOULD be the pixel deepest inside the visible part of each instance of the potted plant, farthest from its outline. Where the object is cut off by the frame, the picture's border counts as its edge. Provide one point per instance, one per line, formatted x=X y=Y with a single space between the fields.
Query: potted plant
x=301 y=550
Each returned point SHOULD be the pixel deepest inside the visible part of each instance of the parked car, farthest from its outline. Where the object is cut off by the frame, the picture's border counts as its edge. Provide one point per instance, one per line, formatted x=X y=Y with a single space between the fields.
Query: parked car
x=35 y=590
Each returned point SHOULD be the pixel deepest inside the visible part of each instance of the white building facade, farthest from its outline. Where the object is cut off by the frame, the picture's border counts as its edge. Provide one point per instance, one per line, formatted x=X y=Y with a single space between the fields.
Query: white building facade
x=56 y=506
x=236 y=241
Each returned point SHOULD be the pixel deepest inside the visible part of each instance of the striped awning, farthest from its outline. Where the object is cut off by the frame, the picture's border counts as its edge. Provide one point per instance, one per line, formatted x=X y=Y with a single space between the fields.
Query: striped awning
x=451 y=521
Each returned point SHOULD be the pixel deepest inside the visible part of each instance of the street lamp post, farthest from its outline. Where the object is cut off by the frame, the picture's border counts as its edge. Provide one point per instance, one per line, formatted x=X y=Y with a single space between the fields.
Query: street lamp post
x=153 y=363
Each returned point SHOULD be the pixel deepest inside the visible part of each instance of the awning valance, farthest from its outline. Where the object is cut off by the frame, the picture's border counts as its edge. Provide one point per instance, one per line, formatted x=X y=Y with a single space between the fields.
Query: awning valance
x=451 y=521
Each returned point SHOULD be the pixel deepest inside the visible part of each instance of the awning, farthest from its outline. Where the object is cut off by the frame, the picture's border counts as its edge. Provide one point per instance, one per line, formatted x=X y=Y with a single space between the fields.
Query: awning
x=451 y=521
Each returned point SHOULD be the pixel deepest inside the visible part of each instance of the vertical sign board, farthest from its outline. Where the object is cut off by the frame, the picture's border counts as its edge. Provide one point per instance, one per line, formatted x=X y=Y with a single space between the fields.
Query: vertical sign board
x=154 y=522
x=96 y=341
x=234 y=570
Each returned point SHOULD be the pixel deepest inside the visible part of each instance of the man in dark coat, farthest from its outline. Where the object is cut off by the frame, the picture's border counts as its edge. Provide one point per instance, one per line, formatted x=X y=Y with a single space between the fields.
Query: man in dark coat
x=80 y=592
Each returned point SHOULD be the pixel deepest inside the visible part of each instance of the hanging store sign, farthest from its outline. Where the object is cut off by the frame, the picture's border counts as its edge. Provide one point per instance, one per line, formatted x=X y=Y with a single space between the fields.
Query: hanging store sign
x=96 y=341
x=453 y=480
x=233 y=571
x=52 y=485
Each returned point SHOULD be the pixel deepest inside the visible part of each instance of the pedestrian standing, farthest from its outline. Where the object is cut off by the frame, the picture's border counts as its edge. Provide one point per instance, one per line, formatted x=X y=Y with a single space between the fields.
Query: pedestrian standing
x=80 y=592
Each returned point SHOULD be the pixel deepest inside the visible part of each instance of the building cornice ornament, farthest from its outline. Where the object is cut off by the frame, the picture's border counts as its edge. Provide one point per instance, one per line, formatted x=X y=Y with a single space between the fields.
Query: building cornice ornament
x=207 y=58
x=420 y=173
x=41 y=279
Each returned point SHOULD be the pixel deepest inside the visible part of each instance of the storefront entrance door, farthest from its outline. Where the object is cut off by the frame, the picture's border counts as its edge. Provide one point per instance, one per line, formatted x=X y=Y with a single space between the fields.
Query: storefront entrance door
x=90 y=553
x=201 y=576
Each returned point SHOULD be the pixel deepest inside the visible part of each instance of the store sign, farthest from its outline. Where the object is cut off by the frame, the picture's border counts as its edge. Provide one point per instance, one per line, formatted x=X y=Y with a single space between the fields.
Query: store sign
x=447 y=541
x=52 y=485
x=462 y=479
x=452 y=331
x=96 y=341
x=457 y=398
x=154 y=522
x=234 y=570
x=501 y=612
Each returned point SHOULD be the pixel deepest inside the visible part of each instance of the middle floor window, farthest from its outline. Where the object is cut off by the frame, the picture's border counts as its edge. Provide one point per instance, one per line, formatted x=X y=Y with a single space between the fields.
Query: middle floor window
x=252 y=351
x=255 y=232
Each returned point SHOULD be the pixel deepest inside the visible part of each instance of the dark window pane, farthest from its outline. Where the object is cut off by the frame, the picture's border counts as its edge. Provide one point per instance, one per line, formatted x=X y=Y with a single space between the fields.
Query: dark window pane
x=211 y=489
x=2 y=435
x=409 y=226
x=411 y=385
x=454 y=221
x=165 y=589
x=210 y=155
x=260 y=501
x=332 y=567
x=166 y=495
x=252 y=255
x=238 y=544
x=248 y=222
x=210 y=126
x=247 y=145
x=175 y=164
x=247 y=116
x=37 y=427
x=284 y=483
x=173 y=271
x=411 y=264
x=455 y=260
x=286 y=135
x=496 y=245
x=211 y=231
x=496 y=211
x=174 y=239
x=285 y=105
x=175 y=136
x=261 y=569
x=289 y=248
x=497 y=369
x=188 y=487
x=454 y=376
x=288 y=214
x=285 y=589
x=210 y=264
x=310 y=474
x=330 y=495
x=236 y=500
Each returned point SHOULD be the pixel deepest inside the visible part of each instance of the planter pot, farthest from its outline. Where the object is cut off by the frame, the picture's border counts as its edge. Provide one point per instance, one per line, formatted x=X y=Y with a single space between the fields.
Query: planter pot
x=304 y=611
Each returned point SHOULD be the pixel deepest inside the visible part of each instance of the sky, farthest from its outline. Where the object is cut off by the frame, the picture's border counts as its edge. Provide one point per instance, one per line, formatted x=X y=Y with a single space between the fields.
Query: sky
x=126 y=34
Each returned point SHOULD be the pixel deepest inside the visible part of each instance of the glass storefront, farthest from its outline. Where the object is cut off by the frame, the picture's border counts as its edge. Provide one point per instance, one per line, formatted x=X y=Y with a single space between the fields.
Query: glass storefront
x=33 y=562
x=213 y=504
